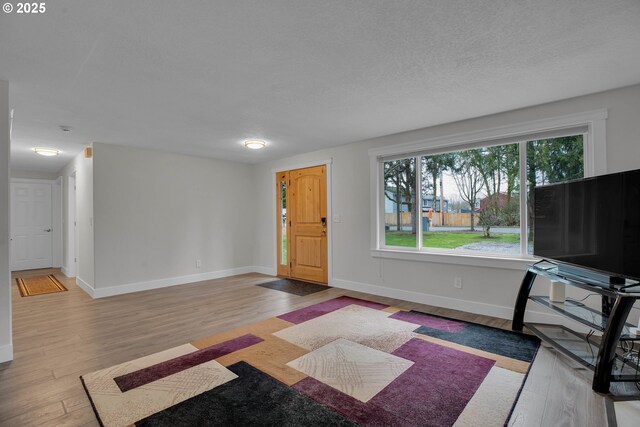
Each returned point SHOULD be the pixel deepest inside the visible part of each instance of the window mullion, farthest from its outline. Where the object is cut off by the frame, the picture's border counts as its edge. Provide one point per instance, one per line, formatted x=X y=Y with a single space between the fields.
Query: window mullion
x=418 y=203
x=523 y=198
x=381 y=201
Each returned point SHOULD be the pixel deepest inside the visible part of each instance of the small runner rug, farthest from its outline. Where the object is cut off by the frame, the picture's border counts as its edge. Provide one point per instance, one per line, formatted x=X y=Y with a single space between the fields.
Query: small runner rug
x=38 y=285
x=342 y=362
x=296 y=287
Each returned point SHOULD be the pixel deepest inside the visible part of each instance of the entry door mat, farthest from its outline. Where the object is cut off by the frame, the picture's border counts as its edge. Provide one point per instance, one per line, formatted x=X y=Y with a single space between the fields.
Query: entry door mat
x=296 y=287
x=342 y=362
x=39 y=285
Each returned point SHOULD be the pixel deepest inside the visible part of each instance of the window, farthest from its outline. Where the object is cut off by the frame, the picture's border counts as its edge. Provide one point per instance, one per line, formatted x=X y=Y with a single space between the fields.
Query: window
x=477 y=199
x=550 y=161
x=400 y=208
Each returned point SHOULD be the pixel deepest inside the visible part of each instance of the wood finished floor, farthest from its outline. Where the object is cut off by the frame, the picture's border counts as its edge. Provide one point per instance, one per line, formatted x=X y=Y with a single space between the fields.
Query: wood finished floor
x=58 y=337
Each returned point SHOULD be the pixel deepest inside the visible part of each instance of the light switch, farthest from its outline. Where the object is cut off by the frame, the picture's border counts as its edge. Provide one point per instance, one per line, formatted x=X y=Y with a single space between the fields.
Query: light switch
x=336 y=218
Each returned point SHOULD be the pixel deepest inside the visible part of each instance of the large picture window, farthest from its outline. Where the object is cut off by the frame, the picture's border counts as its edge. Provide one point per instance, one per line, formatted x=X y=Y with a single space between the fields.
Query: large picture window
x=476 y=199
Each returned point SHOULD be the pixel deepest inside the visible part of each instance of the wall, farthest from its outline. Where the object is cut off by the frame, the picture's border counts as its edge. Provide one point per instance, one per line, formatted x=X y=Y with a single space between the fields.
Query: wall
x=83 y=168
x=485 y=290
x=156 y=213
x=6 y=345
x=33 y=175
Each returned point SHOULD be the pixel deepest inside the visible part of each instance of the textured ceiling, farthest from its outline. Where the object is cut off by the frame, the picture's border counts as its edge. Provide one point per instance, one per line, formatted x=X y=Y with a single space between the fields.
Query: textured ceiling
x=197 y=77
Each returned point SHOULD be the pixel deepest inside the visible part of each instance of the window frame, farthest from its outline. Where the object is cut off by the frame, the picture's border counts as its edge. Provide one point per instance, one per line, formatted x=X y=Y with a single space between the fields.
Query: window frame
x=594 y=152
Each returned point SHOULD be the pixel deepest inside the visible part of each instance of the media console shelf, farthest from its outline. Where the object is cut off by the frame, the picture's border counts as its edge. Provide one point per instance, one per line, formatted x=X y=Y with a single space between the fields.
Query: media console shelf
x=598 y=355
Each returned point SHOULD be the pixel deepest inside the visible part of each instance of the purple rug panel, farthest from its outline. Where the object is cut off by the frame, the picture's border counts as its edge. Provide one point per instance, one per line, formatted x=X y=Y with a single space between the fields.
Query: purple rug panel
x=429 y=321
x=361 y=413
x=317 y=310
x=436 y=389
x=433 y=392
x=164 y=369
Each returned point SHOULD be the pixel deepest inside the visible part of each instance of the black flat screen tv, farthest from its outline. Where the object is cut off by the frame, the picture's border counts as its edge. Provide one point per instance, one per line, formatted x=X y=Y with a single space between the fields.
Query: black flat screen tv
x=592 y=223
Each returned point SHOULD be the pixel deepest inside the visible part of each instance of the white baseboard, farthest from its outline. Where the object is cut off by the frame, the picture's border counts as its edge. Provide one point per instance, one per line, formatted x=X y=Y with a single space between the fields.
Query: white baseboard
x=265 y=270
x=446 y=302
x=170 y=281
x=6 y=353
x=85 y=287
x=67 y=271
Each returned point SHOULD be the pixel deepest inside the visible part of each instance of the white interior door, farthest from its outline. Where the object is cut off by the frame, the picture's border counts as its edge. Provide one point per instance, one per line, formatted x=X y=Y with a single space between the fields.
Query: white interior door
x=30 y=226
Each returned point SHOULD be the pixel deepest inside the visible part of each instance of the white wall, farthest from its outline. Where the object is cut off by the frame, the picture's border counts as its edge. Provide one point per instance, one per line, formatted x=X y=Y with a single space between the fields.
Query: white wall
x=33 y=175
x=486 y=290
x=157 y=212
x=83 y=169
x=6 y=346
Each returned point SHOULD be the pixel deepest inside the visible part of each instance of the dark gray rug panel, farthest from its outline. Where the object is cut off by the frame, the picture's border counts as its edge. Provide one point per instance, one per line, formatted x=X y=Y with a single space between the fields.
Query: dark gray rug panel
x=252 y=399
x=515 y=345
x=296 y=287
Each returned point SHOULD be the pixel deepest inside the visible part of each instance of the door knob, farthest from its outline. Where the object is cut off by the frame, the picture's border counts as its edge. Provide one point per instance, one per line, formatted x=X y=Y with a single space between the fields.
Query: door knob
x=48 y=230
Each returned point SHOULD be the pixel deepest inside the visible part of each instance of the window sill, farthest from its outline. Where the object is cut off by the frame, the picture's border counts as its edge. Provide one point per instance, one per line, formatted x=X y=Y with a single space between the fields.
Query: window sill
x=501 y=261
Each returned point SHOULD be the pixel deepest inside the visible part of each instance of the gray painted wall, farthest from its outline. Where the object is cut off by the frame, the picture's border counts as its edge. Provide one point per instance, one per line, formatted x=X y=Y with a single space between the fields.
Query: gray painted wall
x=23 y=174
x=83 y=169
x=6 y=347
x=156 y=213
x=487 y=290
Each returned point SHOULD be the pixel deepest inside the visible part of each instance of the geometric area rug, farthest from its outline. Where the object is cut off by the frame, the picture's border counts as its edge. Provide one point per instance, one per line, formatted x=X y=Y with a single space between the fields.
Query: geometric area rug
x=341 y=362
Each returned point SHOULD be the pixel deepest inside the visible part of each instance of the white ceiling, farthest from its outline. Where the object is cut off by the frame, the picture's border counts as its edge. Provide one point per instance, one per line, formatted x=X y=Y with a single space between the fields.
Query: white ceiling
x=197 y=77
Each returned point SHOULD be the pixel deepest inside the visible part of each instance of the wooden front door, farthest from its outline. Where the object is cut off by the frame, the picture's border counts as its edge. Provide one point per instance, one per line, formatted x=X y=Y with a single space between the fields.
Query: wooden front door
x=302 y=220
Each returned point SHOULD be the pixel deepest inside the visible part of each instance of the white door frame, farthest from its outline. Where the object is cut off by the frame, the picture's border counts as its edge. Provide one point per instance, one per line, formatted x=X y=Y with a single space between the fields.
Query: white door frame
x=56 y=216
x=70 y=267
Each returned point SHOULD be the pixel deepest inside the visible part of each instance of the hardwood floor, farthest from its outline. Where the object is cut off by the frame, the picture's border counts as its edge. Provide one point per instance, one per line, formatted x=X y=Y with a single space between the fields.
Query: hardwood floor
x=58 y=337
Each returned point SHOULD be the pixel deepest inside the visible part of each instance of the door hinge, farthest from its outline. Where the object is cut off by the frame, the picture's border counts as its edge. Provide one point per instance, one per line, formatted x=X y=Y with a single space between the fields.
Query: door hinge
x=289 y=223
x=75 y=260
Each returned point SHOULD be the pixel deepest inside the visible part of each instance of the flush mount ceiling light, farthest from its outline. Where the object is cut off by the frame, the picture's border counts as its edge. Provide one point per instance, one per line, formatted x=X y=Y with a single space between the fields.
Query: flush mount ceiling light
x=43 y=151
x=254 y=144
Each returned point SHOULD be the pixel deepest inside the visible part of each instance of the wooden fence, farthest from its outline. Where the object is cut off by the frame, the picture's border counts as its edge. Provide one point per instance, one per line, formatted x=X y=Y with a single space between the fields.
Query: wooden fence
x=450 y=219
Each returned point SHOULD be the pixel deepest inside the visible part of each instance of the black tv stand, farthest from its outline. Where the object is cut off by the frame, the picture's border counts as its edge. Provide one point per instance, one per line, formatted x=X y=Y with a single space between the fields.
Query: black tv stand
x=580 y=273
x=599 y=355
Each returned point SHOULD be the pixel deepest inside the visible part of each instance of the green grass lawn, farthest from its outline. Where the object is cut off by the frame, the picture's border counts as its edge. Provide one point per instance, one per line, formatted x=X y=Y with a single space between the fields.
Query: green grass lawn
x=284 y=246
x=446 y=240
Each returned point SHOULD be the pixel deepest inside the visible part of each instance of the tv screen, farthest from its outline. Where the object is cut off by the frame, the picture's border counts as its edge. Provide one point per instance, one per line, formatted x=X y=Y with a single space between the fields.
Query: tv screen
x=592 y=223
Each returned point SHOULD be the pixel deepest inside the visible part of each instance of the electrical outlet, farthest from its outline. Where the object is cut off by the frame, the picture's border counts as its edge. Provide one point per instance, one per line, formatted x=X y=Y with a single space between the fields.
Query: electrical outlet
x=198 y=263
x=457 y=282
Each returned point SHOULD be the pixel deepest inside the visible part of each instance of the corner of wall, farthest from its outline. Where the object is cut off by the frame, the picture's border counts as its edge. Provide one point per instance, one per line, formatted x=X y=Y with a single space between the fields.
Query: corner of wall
x=6 y=339
x=83 y=169
x=6 y=353
x=86 y=287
